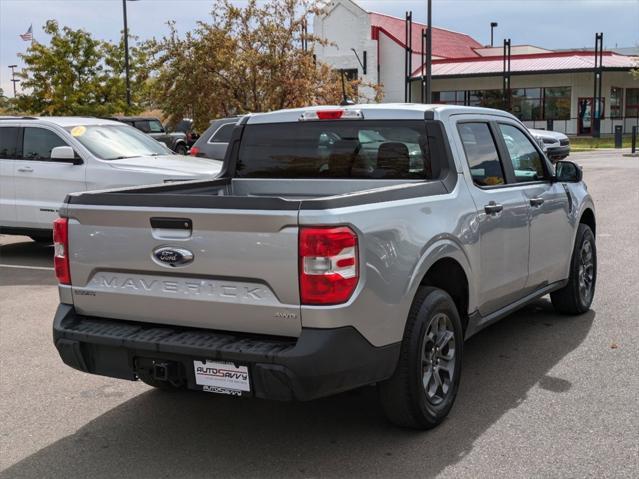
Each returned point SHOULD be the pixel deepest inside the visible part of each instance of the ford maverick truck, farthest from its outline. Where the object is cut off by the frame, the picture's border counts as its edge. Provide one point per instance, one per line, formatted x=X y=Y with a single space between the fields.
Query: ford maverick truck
x=339 y=247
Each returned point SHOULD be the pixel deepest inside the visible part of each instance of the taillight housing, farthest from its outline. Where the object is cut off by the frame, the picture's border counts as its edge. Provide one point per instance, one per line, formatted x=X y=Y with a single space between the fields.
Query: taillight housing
x=194 y=151
x=328 y=263
x=61 y=250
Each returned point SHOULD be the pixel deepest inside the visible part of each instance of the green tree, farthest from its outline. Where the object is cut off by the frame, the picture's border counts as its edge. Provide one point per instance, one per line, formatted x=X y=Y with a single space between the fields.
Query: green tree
x=76 y=74
x=4 y=103
x=248 y=59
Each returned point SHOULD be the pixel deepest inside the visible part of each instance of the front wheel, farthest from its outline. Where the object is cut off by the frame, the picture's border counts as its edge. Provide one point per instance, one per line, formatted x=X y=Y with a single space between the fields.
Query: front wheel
x=423 y=388
x=576 y=297
x=181 y=149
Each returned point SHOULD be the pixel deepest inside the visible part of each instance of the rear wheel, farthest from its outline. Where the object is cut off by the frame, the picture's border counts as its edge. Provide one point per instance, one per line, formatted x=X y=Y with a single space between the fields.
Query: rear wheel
x=423 y=388
x=181 y=149
x=576 y=297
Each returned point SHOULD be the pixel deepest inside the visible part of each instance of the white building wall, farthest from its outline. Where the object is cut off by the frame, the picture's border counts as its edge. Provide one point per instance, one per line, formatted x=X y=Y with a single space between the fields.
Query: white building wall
x=347 y=26
x=391 y=72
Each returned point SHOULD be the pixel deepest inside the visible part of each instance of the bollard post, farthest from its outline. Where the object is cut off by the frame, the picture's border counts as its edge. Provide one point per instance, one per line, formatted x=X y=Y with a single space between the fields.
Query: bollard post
x=618 y=135
x=634 y=139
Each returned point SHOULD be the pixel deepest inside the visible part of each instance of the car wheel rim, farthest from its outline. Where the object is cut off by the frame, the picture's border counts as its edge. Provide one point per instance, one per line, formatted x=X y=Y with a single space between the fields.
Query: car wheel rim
x=586 y=275
x=438 y=358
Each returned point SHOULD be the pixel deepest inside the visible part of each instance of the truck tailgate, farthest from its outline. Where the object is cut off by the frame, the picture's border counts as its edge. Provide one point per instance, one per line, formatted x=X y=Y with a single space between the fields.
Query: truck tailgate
x=243 y=275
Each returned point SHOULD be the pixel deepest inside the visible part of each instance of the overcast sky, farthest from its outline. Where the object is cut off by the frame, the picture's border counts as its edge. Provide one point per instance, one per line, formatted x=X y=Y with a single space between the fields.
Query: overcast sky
x=546 y=23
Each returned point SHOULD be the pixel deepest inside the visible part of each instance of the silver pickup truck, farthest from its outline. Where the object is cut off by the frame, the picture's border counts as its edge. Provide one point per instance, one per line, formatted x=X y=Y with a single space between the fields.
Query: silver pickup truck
x=339 y=247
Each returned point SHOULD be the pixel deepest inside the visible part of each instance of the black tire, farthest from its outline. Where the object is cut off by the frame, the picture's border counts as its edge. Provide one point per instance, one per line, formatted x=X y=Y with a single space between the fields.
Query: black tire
x=573 y=298
x=403 y=396
x=181 y=149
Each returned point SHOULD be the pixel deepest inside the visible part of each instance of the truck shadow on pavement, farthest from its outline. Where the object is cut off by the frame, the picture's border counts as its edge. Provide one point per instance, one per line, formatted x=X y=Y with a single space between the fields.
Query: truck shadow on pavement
x=26 y=253
x=185 y=434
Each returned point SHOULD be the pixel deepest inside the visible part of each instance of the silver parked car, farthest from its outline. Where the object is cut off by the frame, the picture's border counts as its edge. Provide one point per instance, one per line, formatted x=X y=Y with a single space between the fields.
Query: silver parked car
x=340 y=247
x=214 y=141
x=556 y=145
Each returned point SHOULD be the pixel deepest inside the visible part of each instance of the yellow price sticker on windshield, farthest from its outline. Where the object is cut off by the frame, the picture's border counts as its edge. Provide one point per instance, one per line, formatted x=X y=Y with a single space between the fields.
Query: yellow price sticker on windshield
x=78 y=131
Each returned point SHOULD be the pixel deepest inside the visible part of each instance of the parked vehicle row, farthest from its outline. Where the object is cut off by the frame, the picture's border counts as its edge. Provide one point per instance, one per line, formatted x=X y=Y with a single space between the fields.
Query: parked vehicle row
x=213 y=142
x=339 y=247
x=44 y=159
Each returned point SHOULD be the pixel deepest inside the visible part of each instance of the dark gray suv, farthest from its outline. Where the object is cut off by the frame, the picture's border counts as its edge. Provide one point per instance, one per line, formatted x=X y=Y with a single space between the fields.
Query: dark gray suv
x=176 y=141
x=213 y=142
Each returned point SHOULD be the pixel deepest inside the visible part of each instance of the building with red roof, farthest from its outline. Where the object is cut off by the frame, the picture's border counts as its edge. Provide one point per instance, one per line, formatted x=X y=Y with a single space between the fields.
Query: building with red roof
x=548 y=89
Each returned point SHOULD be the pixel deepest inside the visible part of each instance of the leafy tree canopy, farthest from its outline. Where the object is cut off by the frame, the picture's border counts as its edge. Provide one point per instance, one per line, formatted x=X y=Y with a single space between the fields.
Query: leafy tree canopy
x=249 y=59
x=76 y=74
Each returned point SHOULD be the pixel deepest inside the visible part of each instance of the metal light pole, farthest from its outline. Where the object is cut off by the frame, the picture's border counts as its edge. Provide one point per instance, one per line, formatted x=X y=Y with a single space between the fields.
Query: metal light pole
x=429 y=55
x=13 y=78
x=492 y=27
x=126 y=55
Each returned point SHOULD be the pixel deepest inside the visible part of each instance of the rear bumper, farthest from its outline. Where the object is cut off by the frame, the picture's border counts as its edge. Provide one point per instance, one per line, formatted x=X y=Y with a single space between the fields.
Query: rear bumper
x=319 y=363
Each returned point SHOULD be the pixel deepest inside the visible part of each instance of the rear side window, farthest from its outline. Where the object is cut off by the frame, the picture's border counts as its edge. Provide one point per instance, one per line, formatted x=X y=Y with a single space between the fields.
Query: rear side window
x=155 y=126
x=525 y=158
x=481 y=154
x=336 y=149
x=223 y=134
x=38 y=143
x=9 y=142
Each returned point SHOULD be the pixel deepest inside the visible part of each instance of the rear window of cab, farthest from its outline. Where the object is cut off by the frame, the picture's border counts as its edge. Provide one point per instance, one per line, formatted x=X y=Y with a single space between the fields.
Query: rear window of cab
x=335 y=149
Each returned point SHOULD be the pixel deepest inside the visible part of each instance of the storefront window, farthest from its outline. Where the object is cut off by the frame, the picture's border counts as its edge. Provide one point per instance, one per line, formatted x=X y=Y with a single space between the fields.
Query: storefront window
x=526 y=103
x=485 y=98
x=449 y=97
x=616 y=102
x=632 y=102
x=557 y=103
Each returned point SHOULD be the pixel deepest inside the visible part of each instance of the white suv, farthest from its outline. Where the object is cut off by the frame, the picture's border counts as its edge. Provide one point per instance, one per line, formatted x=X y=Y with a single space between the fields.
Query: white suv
x=44 y=159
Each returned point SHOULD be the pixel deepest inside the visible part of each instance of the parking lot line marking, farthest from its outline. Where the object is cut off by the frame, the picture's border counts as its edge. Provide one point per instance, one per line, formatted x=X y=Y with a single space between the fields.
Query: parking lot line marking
x=18 y=266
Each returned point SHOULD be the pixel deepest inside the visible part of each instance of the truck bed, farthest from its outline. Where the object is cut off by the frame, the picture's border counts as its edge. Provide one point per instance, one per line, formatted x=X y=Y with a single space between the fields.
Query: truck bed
x=277 y=194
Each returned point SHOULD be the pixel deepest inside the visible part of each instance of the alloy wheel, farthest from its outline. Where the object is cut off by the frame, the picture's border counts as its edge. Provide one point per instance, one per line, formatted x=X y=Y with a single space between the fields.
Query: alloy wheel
x=438 y=358
x=586 y=274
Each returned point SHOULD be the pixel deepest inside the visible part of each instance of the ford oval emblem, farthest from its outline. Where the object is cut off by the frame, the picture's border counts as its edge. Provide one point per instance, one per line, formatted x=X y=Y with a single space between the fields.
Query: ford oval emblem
x=172 y=257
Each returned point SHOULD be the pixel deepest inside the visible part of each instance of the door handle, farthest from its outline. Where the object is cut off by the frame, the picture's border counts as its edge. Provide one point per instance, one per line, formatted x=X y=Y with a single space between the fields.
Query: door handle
x=493 y=208
x=26 y=169
x=536 y=202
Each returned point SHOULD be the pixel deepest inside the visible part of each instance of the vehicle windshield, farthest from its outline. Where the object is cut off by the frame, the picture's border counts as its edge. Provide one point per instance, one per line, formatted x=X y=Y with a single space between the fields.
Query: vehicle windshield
x=116 y=142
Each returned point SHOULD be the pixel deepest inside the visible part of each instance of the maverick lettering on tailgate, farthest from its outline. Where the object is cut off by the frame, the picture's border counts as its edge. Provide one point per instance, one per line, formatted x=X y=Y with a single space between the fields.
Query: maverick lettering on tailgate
x=245 y=292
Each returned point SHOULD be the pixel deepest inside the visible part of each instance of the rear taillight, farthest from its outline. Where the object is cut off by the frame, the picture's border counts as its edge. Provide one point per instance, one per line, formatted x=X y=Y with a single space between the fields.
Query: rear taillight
x=194 y=151
x=61 y=250
x=329 y=268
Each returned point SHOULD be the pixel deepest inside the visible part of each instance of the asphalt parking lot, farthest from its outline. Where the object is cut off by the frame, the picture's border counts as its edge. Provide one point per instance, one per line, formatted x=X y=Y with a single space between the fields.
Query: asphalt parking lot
x=542 y=395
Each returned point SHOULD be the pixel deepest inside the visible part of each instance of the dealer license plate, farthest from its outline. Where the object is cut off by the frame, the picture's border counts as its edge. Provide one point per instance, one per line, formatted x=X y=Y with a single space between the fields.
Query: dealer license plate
x=221 y=377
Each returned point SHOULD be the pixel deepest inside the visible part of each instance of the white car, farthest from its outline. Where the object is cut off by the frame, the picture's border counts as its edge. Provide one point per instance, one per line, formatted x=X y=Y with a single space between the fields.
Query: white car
x=556 y=145
x=44 y=159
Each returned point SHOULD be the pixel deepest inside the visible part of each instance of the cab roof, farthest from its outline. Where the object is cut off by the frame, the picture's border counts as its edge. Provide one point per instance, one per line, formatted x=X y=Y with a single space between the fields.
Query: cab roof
x=379 y=111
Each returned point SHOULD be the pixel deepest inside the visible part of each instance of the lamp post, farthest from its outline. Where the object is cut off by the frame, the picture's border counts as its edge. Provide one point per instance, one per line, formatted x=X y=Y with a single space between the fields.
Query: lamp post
x=13 y=78
x=126 y=54
x=492 y=27
x=429 y=53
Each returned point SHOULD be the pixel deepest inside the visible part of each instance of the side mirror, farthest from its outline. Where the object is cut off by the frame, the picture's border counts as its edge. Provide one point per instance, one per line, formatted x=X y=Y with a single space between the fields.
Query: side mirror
x=65 y=153
x=568 y=172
